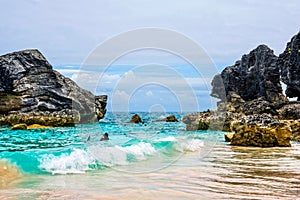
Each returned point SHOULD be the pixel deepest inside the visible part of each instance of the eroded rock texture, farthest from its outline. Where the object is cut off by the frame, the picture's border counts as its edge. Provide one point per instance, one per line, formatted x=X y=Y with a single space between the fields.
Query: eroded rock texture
x=289 y=63
x=32 y=92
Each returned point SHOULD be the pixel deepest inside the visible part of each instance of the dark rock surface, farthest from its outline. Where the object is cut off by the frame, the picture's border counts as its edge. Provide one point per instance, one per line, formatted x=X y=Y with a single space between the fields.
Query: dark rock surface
x=289 y=63
x=252 y=102
x=170 y=118
x=136 y=119
x=255 y=76
x=290 y=111
x=30 y=88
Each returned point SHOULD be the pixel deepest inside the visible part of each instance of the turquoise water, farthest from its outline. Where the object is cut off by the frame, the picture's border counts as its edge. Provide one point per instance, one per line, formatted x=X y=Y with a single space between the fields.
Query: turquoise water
x=78 y=149
x=153 y=160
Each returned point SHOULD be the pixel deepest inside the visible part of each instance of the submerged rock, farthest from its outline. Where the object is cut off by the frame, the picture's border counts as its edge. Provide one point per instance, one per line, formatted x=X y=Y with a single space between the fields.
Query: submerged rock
x=32 y=92
x=136 y=119
x=170 y=118
x=19 y=127
x=37 y=126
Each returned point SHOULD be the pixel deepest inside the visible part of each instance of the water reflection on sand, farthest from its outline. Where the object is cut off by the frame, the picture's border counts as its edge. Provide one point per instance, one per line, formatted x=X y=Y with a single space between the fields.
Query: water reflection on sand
x=226 y=173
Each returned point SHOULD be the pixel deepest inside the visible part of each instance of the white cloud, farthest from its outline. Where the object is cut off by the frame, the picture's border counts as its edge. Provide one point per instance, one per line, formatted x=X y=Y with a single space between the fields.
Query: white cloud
x=136 y=86
x=226 y=29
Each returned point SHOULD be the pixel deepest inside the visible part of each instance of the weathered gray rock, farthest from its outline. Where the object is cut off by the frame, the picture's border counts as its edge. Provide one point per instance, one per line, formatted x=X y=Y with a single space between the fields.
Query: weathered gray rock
x=197 y=121
x=289 y=63
x=30 y=87
x=255 y=76
x=205 y=120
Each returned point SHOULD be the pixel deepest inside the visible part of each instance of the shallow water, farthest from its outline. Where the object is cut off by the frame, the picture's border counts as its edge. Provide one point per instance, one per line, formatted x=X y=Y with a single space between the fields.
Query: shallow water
x=152 y=161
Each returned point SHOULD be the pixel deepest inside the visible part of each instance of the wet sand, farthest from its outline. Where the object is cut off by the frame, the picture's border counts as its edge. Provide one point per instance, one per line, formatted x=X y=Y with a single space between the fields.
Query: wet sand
x=225 y=173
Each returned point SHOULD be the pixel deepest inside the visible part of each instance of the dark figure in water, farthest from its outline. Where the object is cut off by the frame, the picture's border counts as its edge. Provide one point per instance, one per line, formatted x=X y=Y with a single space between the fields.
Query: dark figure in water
x=105 y=137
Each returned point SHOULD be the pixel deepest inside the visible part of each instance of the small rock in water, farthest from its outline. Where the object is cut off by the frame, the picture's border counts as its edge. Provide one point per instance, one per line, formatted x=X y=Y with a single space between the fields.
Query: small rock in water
x=19 y=127
x=170 y=118
x=136 y=119
x=228 y=137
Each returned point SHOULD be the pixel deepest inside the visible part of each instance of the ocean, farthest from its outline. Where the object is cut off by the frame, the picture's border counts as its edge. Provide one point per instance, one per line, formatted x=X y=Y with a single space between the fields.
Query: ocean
x=154 y=160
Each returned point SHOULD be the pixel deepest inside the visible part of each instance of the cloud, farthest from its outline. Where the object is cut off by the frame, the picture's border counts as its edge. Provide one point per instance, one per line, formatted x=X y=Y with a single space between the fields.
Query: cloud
x=140 y=89
x=226 y=29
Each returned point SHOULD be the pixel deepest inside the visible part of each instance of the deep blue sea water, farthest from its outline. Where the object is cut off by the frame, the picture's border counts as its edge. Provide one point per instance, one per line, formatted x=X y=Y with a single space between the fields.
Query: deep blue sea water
x=150 y=159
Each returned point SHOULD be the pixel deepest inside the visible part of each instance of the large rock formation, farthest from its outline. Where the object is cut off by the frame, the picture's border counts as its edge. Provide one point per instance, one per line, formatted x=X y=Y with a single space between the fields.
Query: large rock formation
x=32 y=92
x=255 y=76
x=252 y=102
x=289 y=63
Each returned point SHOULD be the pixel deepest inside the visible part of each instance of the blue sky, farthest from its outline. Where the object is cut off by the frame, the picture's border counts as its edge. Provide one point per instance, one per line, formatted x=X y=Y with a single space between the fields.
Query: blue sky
x=66 y=32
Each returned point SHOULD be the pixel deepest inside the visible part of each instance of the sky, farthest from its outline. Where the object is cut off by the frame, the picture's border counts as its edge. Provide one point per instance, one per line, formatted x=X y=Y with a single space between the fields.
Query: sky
x=68 y=33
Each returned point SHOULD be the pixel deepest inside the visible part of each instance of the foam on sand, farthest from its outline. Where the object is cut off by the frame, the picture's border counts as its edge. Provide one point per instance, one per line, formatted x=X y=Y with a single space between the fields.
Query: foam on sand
x=8 y=173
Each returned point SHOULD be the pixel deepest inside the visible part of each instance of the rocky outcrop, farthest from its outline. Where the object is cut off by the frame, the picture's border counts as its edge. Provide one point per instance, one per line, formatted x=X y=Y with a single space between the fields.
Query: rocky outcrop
x=228 y=137
x=255 y=76
x=136 y=119
x=252 y=104
x=261 y=130
x=290 y=111
x=197 y=121
x=19 y=127
x=32 y=92
x=289 y=63
x=170 y=118
x=213 y=120
x=295 y=128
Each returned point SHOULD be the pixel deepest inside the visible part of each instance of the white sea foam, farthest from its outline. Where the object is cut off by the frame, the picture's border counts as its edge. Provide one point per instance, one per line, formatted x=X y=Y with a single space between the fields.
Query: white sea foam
x=108 y=156
x=189 y=145
x=77 y=161
x=80 y=161
x=166 y=139
x=140 y=150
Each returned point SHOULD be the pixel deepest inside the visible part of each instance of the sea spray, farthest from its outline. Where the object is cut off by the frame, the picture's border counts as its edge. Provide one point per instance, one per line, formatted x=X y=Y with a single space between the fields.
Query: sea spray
x=189 y=145
x=108 y=156
x=78 y=161
x=104 y=154
x=139 y=151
